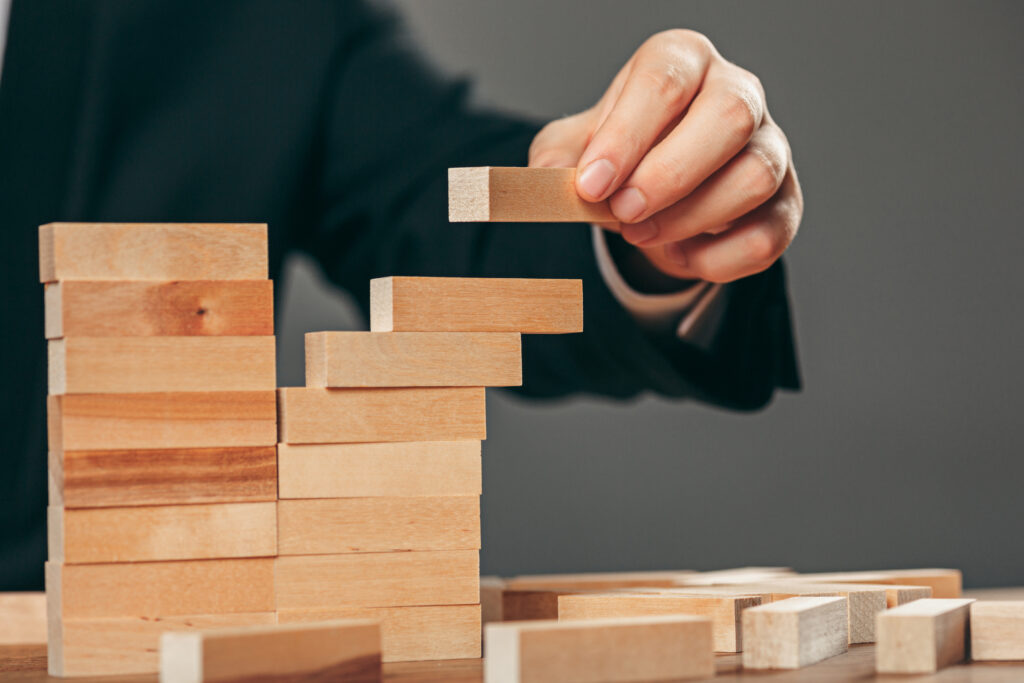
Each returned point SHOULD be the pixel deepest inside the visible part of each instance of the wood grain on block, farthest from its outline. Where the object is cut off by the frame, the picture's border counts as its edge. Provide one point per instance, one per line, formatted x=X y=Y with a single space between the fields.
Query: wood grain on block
x=794 y=633
x=413 y=359
x=432 y=577
x=945 y=583
x=330 y=650
x=463 y=304
x=211 y=419
x=175 y=476
x=997 y=630
x=520 y=195
x=922 y=636
x=599 y=580
x=163 y=532
x=22 y=618
x=737 y=575
x=152 y=589
x=413 y=468
x=411 y=633
x=308 y=415
x=491 y=590
x=593 y=651
x=152 y=251
x=120 y=308
x=356 y=525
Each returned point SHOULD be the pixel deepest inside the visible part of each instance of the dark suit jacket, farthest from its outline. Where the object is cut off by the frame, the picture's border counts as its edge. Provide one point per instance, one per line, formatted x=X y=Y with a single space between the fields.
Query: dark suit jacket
x=316 y=118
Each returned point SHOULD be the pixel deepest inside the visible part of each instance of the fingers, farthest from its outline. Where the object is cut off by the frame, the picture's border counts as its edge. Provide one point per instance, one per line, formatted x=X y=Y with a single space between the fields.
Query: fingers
x=560 y=143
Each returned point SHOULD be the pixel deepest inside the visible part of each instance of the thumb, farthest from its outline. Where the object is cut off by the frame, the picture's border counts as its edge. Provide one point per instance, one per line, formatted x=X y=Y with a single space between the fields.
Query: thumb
x=560 y=143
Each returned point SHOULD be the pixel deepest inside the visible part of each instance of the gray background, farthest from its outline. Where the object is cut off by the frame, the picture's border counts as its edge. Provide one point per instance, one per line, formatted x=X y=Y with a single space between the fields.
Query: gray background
x=905 y=447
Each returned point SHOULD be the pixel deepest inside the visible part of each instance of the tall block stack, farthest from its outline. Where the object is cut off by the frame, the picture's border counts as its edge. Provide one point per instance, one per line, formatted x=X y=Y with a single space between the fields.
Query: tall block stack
x=162 y=432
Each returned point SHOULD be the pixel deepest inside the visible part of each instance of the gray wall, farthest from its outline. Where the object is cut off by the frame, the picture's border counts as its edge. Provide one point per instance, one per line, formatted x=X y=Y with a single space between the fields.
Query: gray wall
x=905 y=447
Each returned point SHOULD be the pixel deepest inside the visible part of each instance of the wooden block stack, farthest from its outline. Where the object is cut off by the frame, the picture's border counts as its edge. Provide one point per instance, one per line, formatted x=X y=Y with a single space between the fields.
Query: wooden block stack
x=162 y=428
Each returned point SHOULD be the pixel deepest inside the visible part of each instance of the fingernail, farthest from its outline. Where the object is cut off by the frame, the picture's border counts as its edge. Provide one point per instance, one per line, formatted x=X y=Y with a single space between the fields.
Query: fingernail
x=677 y=254
x=638 y=233
x=596 y=177
x=628 y=204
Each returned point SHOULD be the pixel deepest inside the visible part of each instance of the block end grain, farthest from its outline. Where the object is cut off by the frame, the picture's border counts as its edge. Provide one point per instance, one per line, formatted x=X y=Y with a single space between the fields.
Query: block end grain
x=468 y=194
x=381 y=304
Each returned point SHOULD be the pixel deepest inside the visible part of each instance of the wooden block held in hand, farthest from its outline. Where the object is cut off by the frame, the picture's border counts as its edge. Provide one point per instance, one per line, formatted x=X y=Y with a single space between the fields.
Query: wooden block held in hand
x=794 y=633
x=520 y=195
x=997 y=630
x=23 y=618
x=463 y=304
x=922 y=636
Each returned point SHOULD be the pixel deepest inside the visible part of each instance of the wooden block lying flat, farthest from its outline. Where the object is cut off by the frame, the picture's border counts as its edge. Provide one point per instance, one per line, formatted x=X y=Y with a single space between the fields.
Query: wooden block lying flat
x=433 y=577
x=922 y=636
x=358 y=415
x=455 y=304
x=598 y=580
x=997 y=630
x=738 y=575
x=598 y=650
x=413 y=359
x=332 y=650
x=531 y=605
x=411 y=634
x=520 y=195
x=491 y=590
x=357 y=525
x=22 y=618
x=87 y=479
x=159 y=309
x=414 y=468
x=945 y=583
x=164 y=532
x=794 y=633
x=152 y=251
x=212 y=419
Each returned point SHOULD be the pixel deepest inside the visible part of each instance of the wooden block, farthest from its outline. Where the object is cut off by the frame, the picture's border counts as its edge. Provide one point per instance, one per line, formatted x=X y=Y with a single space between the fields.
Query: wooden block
x=357 y=415
x=358 y=525
x=491 y=591
x=159 y=589
x=413 y=359
x=531 y=605
x=119 y=308
x=432 y=577
x=922 y=636
x=152 y=251
x=330 y=650
x=454 y=304
x=414 y=468
x=598 y=580
x=88 y=479
x=599 y=650
x=22 y=618
x=411 y=633
x=520 y=195
x=997 y=630
x=86 y=422
x=737 y=575
x=794 y=633
x=945 y=583
x=128 y=365
x=164 y=532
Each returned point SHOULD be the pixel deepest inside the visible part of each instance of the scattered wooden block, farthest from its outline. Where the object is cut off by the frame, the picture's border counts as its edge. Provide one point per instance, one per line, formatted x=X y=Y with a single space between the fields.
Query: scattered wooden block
x=433 y=577
x=164 y=532
x=997 y=630
x=922 y=636
x=531 y=604
x=624 y=649
x=413 y=359
x=331 y=650
x=358 y=525
x=945 y=583
x=414 y=468
x=22 y=618
x=520 y=195
x=794 y=633
x=127 y=365
x=598 y=580
x=491 y=592
x=152 y=251
x=214 y=419
x=737 y=575
x=453 y=304
x=361 y=415
x=95 y=308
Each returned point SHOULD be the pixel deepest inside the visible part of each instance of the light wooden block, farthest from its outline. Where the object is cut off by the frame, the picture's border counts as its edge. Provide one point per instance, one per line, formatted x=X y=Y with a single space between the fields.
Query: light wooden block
x=333 y=650
x=414 y=468
x=520 y=195
x=454 y=304
x=119 y=308
x=623 y=649
x=794 y=633
x=164 y=532
x=411 y=633
x=213 y=419
x=532 y=604
x=124 y=365
x=358 y=525
x=152 y=251
x=359 y=415
x=413 y=359
x=598 y=580
x=23 y=618
x=492 y=589
x=945 y=583
x=738 y=575
x=432 y=577
x=997 y=630
x=922 y=636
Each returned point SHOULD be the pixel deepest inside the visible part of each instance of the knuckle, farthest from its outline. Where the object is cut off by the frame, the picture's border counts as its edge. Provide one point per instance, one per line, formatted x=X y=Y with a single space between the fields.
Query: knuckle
x=764 y=245
x=668 y=82
x=763 y=176
x=663 y=177
x=741 y=113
